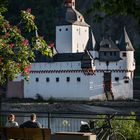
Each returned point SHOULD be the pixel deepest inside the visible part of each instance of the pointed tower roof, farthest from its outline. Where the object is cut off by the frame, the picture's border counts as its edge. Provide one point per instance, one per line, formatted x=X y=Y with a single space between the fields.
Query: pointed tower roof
x=91 y=41
x=125 y=43
x=68 y=15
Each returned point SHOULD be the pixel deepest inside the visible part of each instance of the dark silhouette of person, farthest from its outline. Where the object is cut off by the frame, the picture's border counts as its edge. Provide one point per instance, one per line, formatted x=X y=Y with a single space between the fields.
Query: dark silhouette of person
x=32 y=123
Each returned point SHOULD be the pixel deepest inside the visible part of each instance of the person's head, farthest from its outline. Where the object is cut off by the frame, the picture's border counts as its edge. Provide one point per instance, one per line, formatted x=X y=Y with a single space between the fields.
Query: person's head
x=33 y=117
x=11 y=117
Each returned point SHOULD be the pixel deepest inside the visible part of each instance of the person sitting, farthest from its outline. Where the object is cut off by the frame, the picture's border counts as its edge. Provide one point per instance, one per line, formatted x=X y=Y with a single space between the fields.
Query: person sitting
x=11 y=121
x=32 y=123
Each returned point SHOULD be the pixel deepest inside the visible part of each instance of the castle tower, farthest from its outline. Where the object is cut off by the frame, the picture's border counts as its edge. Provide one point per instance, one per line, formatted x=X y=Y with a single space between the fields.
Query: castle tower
x=127 y=54
x=72 y=32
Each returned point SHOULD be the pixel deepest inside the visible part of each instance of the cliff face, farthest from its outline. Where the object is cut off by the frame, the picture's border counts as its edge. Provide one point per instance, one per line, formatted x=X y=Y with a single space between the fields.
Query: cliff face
x=110 y=26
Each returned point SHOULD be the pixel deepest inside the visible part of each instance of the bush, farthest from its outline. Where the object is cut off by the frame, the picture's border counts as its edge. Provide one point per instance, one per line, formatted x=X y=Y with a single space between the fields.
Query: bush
x=39 y=97
x=129 y=126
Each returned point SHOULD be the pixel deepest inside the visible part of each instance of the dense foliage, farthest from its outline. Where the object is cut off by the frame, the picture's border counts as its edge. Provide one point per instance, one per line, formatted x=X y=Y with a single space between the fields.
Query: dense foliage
x=16 y=50
x=129 y=126
x=119 y=7
x=45 y=12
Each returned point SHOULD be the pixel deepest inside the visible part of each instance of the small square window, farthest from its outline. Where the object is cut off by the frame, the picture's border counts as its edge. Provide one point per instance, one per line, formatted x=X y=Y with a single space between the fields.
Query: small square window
x=60 y=30
x=66 y=29
x=68 y=79
x=78 y=79
x=47 y=79
x=124 y=54
x=57 y=79
x=37 y=79
x=116 y=78
x=126 y=81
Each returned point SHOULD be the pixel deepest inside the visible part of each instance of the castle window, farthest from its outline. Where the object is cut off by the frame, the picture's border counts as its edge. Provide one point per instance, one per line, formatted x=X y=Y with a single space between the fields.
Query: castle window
x=60 y=30
x=110 y=53
x=78 y=79
x=126 y=81
x=68 y=79
x=47 y=79
x=57 y=79
x=66 y=29
x=116 y=78
x=106 y=46
x=37 y=79
x=124 y=54
x=114 y=53
x=104 y=53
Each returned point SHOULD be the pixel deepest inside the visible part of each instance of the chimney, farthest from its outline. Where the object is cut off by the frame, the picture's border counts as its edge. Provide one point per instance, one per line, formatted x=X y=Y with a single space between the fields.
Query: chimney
x=69 y=3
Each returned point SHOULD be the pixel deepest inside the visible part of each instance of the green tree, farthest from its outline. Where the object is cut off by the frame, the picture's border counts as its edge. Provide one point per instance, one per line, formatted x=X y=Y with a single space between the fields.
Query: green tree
x=18 y=44
x=3 y=4
x=129 y=126
x=113 y=7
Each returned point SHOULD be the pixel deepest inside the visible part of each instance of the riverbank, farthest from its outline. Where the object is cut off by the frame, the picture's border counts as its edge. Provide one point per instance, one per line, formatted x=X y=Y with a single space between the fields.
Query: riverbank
x=104 y=107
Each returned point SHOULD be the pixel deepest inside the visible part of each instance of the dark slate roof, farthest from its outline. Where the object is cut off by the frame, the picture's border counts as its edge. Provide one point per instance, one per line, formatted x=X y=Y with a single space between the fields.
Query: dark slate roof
x=97 y=46
x=91 y=42
x=87 y=56
x=63 y=57
x=69 y=16
x=108 y=45
x=125 y=43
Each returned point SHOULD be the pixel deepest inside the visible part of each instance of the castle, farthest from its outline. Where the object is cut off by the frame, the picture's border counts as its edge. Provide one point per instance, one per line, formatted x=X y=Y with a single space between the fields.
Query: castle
x=81 y=69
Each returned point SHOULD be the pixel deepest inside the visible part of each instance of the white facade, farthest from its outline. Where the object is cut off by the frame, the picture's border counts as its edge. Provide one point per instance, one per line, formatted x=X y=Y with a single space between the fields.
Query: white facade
x=80 y=36
x=71 y=38
x=89 y=87
x=71 y=75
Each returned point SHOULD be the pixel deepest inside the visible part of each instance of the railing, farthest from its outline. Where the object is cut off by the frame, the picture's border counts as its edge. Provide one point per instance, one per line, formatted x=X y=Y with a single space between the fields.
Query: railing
x=57 y=122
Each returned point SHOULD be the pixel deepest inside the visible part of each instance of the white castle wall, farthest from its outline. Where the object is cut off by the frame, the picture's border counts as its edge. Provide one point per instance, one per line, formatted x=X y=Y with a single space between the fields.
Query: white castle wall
x=129 y=62
x=74 y=38
x=63 y=39
x=122 y=90
x=63 y=89
x=73 y=89
x=80 y=36
x=89 y=87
